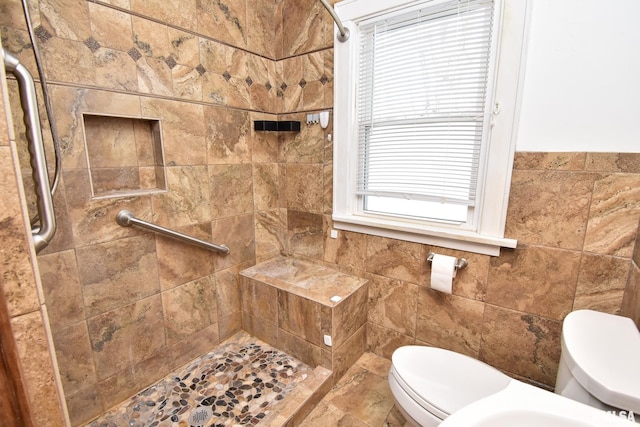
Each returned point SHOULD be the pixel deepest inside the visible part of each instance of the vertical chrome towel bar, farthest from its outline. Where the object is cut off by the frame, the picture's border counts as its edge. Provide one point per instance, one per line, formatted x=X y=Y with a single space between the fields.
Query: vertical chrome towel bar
x=126 y=219
x=43 y=233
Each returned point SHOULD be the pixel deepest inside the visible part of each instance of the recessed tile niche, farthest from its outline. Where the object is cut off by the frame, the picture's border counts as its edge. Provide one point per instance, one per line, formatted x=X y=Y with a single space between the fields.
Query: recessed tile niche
x=124 y=155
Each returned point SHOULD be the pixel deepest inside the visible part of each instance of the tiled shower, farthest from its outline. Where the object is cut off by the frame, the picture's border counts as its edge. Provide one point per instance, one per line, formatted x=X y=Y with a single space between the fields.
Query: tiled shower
x=127 y=307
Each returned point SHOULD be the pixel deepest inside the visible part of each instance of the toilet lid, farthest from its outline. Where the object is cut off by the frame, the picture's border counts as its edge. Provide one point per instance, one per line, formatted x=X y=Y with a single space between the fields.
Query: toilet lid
x=443 y=379
x=603 y=353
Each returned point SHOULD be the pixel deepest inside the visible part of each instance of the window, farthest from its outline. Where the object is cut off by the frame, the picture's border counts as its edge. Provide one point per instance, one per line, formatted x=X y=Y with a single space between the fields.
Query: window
x=425 y=107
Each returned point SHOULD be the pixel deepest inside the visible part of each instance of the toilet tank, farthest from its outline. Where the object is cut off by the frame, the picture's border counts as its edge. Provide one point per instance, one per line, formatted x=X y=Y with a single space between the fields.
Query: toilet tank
x=599 y=361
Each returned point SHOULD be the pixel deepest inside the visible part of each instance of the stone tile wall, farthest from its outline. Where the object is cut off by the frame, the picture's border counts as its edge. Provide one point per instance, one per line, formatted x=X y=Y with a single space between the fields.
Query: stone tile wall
x=575 y=216
x=126 y=306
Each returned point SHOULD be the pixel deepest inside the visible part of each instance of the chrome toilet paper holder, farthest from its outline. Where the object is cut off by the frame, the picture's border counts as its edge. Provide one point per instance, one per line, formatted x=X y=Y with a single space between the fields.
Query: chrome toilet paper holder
x=459 y=265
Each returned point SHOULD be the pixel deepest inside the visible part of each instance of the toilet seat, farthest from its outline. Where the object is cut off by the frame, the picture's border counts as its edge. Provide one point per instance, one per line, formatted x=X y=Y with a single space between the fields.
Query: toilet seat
x=602 y=351
x=415 y=400
x=442 y=381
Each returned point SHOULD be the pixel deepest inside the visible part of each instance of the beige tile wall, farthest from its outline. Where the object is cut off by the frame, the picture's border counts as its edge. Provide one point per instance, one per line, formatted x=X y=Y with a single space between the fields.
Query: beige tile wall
x=575 y=216
x=127 y=306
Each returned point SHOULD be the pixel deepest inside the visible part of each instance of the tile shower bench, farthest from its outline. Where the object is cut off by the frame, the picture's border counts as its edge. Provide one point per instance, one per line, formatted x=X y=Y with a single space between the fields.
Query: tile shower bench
x=313 y=312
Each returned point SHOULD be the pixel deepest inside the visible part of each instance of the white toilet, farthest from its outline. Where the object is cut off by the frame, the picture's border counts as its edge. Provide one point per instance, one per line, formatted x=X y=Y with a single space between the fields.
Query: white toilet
x=429 y=384
x=599 y=366
x=600 y=361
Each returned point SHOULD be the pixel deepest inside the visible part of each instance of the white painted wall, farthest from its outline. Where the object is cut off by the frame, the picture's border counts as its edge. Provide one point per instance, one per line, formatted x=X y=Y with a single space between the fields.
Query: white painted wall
x=582 y=81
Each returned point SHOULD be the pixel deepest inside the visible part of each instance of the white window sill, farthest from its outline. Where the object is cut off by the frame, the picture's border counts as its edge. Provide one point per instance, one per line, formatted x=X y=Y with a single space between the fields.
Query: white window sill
x=463 y=240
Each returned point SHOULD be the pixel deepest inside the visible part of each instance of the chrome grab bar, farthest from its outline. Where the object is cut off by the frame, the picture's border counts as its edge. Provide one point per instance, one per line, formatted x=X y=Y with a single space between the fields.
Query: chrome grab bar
x=126 y=218
x=42 y=234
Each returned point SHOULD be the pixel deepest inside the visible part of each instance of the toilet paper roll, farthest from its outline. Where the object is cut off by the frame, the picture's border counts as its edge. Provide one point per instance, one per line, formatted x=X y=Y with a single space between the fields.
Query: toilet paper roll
x=443 y=270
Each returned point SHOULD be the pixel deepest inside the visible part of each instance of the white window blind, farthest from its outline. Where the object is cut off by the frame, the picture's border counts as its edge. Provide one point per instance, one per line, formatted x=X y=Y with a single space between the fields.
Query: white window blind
x=422 y=88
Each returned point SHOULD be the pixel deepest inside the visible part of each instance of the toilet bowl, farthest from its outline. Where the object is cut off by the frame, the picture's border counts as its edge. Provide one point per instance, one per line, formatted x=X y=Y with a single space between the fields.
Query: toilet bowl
x=600 y=361
x=429 y=384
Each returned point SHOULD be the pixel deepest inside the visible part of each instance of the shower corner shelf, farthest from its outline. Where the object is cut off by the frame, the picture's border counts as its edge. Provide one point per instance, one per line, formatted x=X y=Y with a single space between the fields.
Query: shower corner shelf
x=275 y=126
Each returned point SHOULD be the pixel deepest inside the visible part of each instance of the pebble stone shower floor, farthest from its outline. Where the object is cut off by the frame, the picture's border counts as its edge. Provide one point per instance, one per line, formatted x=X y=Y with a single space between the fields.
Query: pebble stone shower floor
x=239 y=383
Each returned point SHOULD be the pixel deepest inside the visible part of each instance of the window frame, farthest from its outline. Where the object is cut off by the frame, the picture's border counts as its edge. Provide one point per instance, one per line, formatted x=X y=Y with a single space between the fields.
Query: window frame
x=485 y=232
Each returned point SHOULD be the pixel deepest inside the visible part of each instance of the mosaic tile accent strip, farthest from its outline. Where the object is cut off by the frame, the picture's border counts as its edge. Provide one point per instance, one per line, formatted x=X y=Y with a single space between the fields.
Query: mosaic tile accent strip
x=92 y=44
x=42 y=33
x=171 y=63
x=134 y=53
x=239 y=383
